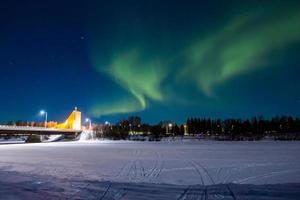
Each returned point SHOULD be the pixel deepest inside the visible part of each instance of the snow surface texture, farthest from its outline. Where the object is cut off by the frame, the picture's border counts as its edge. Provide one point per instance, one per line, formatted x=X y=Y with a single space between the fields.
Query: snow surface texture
x=150 y=170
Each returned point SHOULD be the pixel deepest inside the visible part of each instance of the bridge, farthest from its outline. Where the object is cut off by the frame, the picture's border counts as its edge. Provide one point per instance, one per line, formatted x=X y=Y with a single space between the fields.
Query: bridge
x=25 y=130
x=71 y=127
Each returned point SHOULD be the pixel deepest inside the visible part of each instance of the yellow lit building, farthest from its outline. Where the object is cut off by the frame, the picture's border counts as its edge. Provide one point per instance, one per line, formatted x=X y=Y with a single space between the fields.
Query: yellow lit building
x=186 y=132
x=73 y=122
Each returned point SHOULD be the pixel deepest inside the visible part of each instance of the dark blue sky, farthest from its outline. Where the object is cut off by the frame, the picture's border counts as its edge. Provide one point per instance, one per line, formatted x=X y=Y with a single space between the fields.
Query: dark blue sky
x=156 y=59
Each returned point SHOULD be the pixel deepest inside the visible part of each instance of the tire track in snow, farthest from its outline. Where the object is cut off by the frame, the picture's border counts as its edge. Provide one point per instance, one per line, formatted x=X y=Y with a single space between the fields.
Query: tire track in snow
x=127 y=167
x=105 y=192
x=135 y=170
x=152 y=170
x=193 y=193
x=266 y=175
x=202 y=171
x=138 y=172
x=198 y=171
x=159 y=166
x=228 y=175
x=230 y=192
x=204 y=195
x=183 y=195
x=207 y=173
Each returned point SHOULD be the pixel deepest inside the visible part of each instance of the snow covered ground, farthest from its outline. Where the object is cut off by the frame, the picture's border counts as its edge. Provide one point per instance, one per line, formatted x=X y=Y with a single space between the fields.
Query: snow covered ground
x=151 y=170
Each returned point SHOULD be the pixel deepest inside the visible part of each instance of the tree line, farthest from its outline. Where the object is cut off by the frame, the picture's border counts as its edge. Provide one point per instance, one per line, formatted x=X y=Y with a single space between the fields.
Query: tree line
x=256 y=128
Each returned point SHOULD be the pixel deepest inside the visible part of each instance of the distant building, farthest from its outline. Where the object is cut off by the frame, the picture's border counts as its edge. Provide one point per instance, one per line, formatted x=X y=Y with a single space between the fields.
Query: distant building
x=73 y=121
x=186 y=132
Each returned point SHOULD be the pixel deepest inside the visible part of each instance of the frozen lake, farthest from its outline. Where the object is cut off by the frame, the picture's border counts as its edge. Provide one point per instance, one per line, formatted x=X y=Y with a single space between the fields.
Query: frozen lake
x=150 y=170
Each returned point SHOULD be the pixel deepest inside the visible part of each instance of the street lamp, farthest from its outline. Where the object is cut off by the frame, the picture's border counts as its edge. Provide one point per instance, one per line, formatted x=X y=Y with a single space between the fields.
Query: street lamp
x=90 y=124
x=42 y=112
x=130 y=130
x=170 y=127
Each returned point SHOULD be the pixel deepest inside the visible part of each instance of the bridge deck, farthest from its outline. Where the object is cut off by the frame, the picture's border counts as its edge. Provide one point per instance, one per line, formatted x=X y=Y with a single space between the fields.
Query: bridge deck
x=27 y=130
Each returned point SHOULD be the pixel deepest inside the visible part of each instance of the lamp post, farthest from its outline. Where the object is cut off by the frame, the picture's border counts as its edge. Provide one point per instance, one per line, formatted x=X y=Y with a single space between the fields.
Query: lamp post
x=90 y=123
x=130 y=130
x=170 y=127
x=42 y=112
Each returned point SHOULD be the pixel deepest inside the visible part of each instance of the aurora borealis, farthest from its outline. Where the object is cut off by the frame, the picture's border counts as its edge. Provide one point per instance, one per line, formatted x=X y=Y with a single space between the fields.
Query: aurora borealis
x=157 y=59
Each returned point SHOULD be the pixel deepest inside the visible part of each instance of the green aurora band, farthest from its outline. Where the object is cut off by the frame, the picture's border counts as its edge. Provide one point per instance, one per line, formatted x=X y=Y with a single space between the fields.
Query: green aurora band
x=238 y=48
x=141 y=79
x=241 y=46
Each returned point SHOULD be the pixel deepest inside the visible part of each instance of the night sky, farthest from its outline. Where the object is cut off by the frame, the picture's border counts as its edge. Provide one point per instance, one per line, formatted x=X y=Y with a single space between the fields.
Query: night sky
x=161 y=60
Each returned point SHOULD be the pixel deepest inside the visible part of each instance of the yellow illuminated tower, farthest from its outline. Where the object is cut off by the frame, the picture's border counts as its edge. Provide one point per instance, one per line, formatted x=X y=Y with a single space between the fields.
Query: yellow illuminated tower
x=73 y=121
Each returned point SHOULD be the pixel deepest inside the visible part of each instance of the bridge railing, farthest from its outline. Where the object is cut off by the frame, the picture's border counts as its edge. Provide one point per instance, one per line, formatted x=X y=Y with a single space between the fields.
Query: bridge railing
x=33 y=128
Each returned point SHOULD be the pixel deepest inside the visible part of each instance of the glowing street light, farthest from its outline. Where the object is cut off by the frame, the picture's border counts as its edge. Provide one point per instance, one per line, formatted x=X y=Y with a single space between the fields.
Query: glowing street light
x=42 y=112
x=170 y=127
x=130 y=130
x=90 y=123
